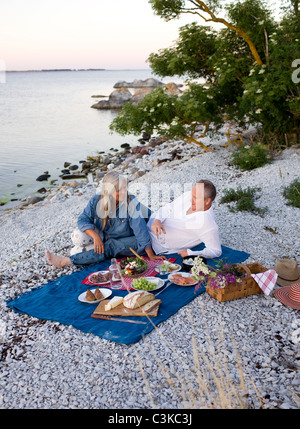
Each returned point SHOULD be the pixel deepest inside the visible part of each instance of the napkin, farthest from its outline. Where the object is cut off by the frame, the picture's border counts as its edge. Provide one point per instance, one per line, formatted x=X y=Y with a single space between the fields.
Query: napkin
x=266 y=281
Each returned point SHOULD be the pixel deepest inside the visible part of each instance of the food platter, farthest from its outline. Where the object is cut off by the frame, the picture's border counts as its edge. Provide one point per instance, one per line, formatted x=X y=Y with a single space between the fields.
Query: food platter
x=95 y=277
x=105 y=292
x=170 y=267
x=155 y=280
x=133 y=267
x=186 y=277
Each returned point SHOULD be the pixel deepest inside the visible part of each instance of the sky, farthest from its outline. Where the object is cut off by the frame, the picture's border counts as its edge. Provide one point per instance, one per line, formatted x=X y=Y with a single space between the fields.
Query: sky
x=110 y=34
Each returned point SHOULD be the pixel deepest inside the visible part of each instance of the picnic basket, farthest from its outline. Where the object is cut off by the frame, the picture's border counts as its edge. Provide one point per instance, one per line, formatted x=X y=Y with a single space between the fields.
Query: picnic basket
x=246 y=287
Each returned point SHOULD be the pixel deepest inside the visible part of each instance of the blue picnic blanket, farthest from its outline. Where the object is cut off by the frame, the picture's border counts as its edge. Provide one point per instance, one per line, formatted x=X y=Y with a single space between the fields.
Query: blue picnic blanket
x=58 y=301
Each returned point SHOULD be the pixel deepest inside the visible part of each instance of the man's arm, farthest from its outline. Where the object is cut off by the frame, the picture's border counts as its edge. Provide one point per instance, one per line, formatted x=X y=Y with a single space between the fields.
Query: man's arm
x=212 y=248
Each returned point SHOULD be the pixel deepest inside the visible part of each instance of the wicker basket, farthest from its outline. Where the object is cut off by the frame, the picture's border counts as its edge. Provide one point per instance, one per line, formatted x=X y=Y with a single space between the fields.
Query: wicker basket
x=246 y=287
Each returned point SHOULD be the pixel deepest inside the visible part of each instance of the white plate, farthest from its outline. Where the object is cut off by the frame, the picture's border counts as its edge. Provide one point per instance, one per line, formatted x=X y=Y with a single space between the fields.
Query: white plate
x=105 y=292
x=159 y=283
x=96 y=272
x=173 y=271
x=183 y=274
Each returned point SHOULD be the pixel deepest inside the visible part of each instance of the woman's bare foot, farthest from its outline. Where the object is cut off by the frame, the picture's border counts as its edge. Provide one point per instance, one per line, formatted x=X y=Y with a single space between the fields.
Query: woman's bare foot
x=57 y=261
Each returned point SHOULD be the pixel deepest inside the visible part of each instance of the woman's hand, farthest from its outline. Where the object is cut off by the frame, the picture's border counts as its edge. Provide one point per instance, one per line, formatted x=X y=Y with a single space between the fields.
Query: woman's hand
x=98 y=245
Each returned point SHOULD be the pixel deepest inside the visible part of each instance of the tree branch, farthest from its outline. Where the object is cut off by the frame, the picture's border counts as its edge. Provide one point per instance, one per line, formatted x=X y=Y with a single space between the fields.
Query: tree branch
x=202 y=6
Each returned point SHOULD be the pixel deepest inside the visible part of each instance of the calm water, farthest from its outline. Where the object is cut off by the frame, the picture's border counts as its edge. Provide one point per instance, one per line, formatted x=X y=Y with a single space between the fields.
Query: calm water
x=46 y=119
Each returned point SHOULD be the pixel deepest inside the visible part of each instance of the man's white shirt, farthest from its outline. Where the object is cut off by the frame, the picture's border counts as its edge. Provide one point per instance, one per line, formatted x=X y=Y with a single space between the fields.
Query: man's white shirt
x=185 y=231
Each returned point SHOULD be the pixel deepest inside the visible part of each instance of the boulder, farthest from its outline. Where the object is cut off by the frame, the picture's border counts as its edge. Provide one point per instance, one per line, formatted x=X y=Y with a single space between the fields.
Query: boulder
x=172 y=89
x=146 y=136
x=33 y=200
x=138 y=83
x=125 y=145
x=140 y=94
x=86 y=165
x=115 y=101
x=42 y=190
x=43 y=177
x=72 y=176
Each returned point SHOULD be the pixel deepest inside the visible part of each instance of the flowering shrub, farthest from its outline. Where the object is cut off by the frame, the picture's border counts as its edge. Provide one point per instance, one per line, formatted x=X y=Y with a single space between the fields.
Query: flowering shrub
x=225 y=274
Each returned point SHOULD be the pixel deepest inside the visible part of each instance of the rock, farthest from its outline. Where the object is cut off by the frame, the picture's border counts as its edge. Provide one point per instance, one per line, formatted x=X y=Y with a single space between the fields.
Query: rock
x=125 y=145
x=43 y=177
x=73 y=167
x=140 y=173
x=67 y=164
x=144 y=151
x=106 y=160
x=85 y=165
x=154 y=143
x=146 y=136
x=115 y=101
x=99 y=174
x=140 y=94
x=42 y=190
x=172 y=89
x=72 y=176
x=140 y=150
x=34 y=200
x=137 y=83
x=74 y=184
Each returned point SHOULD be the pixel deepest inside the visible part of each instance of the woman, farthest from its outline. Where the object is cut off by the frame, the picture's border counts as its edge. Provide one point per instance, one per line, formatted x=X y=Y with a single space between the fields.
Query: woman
x=114 y=221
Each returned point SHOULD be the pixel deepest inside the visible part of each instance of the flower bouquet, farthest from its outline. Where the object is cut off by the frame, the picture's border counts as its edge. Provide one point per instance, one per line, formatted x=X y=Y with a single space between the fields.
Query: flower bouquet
x=227 y=281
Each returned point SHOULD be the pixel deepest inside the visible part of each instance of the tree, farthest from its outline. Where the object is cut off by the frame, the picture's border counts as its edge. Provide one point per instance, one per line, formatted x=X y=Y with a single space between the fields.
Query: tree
x=234 y=84
x=205 y=10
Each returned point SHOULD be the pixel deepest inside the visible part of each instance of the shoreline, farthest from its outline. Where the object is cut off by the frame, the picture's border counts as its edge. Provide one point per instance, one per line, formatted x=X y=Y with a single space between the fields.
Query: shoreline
x=266 y=333
x=68 y=172
x=93 y=168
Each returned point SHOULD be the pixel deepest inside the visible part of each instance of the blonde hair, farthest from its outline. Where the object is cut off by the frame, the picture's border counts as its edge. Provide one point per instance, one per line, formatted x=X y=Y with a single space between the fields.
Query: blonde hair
x=106 y=206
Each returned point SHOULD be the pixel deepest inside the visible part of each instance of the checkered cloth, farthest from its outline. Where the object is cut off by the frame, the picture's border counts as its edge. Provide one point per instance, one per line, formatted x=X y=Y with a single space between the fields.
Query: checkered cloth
x=266 y=281
x=128 y=281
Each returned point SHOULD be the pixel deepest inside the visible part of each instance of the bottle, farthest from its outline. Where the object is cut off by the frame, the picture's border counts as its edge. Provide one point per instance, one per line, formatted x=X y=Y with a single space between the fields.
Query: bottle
x=114 y=276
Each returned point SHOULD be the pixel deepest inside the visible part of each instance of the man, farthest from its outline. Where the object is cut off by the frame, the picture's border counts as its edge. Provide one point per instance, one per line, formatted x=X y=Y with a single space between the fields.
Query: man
x=186 y=222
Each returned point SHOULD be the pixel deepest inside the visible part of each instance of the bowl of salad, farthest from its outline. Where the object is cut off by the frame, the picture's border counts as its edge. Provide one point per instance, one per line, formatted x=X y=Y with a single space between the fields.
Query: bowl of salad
x=133 y=267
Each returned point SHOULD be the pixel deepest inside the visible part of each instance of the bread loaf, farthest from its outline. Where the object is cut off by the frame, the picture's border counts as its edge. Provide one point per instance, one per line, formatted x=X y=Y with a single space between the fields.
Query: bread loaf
x=137 y=299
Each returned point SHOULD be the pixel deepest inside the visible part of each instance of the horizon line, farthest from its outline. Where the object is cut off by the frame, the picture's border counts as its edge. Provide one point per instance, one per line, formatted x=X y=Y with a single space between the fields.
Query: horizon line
x=72 y=69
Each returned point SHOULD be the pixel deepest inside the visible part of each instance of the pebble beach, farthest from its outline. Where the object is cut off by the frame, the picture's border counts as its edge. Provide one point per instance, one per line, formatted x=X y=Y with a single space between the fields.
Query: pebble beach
x=252 y=343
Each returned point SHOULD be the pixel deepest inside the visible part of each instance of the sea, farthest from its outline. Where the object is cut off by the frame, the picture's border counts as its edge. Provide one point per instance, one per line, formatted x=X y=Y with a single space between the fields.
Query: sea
x=46 y=120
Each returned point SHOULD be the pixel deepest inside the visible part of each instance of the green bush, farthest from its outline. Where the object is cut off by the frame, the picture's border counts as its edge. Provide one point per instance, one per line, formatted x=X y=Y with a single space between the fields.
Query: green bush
x=292 y=193
x=250 y=157
x=244 y=200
